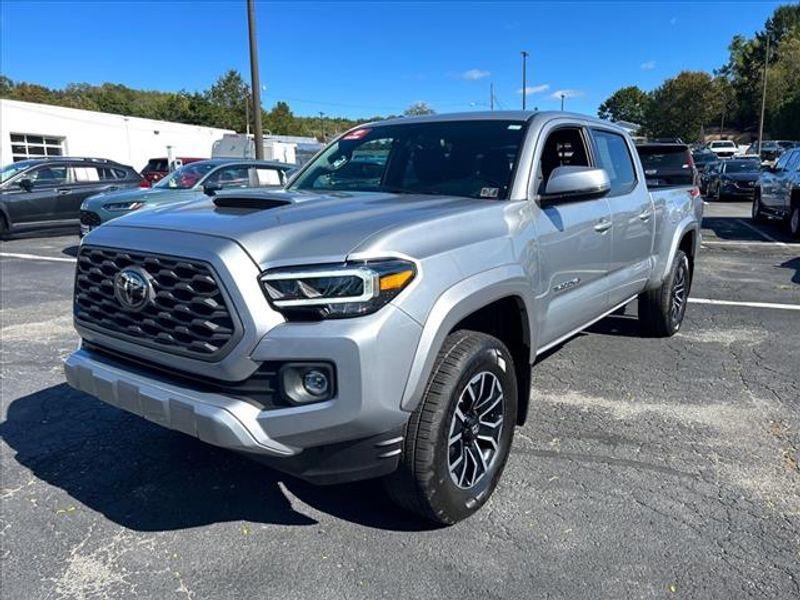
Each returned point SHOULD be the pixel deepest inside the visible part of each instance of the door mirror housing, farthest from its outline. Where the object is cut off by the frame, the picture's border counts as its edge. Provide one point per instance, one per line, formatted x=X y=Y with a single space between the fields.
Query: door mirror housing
x=26 y=183
x=211 y=188
x=576 y=183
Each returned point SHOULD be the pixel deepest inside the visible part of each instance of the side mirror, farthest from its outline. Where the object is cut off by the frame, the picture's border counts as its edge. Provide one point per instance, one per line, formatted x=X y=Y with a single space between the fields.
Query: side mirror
x=26 y=184
x=576 y=183
x=211 y=188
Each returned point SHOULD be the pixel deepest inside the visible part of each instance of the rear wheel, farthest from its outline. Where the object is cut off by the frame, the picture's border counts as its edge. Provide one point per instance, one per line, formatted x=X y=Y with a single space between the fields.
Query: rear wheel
x=458 y=438
x=3 y=227
x=661 y=310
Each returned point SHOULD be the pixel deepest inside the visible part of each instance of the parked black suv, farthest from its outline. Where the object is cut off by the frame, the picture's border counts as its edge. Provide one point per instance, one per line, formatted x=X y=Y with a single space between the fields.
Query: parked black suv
x=667 y=164
x=49 y=191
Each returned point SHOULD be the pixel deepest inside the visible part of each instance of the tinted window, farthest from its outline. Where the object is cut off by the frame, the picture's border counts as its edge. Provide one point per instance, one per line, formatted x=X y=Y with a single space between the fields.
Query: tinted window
x=230 y=177
x=564 y=148
x=51 y=175
x=186 y=177
x=783 y=160
x=614 y=157
x=459 y=158
x=664 y=157
x=794 y=161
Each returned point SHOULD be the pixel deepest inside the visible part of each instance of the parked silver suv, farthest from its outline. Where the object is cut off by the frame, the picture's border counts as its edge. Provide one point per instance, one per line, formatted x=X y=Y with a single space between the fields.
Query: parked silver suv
x=381 y=315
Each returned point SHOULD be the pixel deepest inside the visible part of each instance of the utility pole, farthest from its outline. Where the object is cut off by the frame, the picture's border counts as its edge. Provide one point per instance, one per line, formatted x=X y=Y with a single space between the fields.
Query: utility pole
x=763 y=99
x=247 y=113
x=524 y=77
x=562 y=100
x=491 y=96
x=258 y=137
x=322 y=125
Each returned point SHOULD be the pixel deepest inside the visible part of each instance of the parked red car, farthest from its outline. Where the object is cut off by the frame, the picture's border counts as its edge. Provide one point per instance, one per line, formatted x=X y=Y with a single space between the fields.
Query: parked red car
x=158 y=168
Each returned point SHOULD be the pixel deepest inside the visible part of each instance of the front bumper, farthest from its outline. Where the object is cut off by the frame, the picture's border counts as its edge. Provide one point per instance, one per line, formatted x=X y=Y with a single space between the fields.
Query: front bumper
x=734 y=190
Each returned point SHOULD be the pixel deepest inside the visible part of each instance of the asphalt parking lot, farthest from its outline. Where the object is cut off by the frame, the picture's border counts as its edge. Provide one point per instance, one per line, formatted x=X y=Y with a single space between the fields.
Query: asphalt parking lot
x=648 y=468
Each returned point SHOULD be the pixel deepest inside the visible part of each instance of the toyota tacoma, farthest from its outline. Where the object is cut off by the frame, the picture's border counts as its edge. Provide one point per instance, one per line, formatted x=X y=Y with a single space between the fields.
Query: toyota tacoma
x=379 y=317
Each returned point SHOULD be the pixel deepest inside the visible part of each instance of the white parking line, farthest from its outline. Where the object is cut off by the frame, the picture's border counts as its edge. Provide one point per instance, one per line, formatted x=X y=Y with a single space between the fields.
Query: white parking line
x=37 y=257
x=747 y=304
x=763 y=234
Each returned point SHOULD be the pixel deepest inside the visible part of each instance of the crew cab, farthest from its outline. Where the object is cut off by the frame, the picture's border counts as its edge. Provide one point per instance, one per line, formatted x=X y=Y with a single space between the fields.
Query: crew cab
x=382 y=321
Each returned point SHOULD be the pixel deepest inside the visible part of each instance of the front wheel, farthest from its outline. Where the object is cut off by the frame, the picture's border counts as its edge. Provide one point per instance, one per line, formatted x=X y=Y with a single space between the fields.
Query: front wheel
x=757 y=212
x=661 y=310
x=458 y=438
x=794 y=221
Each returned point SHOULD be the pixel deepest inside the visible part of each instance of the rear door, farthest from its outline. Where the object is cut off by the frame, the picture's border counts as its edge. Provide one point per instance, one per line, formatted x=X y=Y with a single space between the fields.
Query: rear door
x=773 y=182
x=784 y=191
x=85 y=182
x=632 y=217
x=573 y=237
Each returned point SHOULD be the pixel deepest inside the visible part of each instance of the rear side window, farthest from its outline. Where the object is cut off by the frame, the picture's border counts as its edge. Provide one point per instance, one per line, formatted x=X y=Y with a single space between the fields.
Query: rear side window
x=794 y=161
x=86 y=174
x=614 y=156
x=267 y=177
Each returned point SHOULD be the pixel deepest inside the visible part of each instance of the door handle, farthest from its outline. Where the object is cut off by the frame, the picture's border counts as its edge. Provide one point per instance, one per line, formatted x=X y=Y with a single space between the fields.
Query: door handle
x=645 y=215
x=110 y=188
x=602 y=226
x=62 y=191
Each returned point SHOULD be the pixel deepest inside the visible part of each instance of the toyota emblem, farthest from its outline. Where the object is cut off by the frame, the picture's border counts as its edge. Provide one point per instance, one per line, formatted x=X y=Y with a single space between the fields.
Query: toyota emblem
x=133 y=288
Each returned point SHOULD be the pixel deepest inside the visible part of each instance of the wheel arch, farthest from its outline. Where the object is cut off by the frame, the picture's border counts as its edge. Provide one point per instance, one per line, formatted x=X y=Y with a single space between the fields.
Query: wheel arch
x=491 y=302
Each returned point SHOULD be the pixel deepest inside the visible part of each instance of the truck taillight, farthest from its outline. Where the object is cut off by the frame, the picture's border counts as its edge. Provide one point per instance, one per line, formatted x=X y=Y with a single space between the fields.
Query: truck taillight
x=145 y=184
x=694 y=192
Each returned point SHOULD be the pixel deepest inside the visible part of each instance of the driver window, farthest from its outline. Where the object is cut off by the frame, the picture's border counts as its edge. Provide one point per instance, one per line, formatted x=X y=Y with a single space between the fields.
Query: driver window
x=231 y=177
x=47 y=176
x=564 y=147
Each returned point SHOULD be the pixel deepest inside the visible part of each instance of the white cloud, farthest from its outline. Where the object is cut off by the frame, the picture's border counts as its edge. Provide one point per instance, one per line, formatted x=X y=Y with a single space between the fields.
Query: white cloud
x=566 y=93
x=648 y=65
x=474 y=74
x=535 y=89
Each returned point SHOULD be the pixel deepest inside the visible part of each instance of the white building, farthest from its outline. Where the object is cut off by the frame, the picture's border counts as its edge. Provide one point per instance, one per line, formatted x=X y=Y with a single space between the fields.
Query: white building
x=29 y=130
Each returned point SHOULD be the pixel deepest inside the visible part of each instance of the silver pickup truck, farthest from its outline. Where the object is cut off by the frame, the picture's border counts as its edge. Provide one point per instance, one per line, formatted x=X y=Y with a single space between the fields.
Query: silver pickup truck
x=380 y=316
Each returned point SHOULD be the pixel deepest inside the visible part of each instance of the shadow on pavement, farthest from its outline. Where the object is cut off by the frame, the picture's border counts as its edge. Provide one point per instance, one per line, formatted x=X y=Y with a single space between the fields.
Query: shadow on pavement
x=793 y=263
x=147 y=478
x=70 y=251
x=735 y=229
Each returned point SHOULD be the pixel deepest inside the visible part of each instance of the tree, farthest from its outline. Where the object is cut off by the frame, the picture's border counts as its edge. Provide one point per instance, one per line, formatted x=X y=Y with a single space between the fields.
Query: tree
x=229 y=96
x=682 y=106
x=280 y=120
x=626 y=104
x=418 y=109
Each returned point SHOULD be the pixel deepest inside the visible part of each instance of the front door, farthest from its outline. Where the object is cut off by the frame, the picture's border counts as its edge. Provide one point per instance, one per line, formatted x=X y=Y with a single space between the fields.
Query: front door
x=574 y=239
x=38 y=204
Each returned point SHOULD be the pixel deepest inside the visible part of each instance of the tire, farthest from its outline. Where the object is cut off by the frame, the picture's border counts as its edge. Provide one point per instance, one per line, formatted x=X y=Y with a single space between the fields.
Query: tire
x=661 y=310
x=443 y=480
x=794 y=221
x=3 y=227
x=757 y=214
x=718 y=194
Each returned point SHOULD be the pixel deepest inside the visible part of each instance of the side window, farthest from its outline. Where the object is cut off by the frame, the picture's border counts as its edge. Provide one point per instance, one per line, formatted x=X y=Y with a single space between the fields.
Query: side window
x=564 y=147
x=793 y=162
x=50 y=176
x=231 y=177
x=782 y=161
x=111 y=174
x=614 y=156
x=266 y=177
x=86 y=174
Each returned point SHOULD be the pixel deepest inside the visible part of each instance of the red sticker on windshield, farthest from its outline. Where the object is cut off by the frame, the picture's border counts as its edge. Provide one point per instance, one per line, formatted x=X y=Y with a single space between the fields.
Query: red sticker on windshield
x=356 y=135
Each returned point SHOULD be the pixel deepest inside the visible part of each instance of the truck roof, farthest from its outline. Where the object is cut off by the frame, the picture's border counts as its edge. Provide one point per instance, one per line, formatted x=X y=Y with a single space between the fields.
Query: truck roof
x=496 y=115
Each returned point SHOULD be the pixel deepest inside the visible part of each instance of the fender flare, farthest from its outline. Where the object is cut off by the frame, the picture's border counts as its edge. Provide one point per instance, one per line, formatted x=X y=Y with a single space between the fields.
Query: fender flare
x=459 y=301
x=684 y=226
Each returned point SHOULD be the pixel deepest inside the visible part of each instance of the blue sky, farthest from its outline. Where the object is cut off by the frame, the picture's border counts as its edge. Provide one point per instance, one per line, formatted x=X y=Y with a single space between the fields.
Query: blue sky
x=364 y=59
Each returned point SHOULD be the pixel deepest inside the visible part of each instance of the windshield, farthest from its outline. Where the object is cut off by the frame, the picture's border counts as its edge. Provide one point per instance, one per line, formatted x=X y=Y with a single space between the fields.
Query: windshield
x=186 y=177
x=704 y=156
x=722 y=145
x=9 y=171
x=742 y=166
x=474 y=159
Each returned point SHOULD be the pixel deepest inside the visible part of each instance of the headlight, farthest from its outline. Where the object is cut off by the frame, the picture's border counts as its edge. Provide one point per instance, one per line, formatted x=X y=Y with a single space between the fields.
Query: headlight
x=337 y=291
x=123 y=206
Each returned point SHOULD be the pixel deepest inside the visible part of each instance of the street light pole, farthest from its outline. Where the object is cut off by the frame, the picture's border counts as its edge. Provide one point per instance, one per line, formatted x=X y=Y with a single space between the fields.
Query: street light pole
x=524 y=78
x=322 y=125
x=562 y=100
x=763 y=100
x=258 y=137
x=491 y=96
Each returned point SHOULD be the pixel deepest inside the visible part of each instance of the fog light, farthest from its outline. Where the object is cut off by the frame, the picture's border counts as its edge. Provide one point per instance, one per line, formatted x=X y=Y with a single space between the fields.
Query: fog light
x=302 y=383
x=315 y=383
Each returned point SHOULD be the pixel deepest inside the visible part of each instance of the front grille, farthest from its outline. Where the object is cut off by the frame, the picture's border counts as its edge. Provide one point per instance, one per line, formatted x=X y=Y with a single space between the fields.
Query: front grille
x=188 y=313
x=90 y=218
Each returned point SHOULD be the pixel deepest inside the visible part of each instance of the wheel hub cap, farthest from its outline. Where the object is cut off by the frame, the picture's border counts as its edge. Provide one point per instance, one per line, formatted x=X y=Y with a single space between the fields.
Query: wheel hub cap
x=475 y=430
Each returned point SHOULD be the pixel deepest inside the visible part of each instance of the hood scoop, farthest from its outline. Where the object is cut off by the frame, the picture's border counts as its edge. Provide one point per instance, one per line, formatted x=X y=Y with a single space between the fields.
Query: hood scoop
x=251 y=202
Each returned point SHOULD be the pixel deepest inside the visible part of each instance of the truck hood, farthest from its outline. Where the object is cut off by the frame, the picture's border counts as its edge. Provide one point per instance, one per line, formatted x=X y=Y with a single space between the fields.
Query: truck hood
x=300 y=227
x=130 y=195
